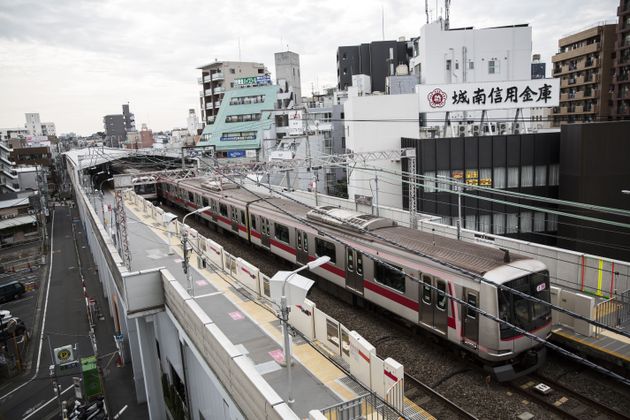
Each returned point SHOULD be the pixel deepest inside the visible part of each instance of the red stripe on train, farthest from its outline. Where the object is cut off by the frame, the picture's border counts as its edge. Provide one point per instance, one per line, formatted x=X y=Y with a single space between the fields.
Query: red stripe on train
x=391 y=295
x=284 y=247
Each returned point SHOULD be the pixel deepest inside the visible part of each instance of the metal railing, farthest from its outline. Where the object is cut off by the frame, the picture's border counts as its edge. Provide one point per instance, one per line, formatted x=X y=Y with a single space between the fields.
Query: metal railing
x=614 y=312
x=365 y=407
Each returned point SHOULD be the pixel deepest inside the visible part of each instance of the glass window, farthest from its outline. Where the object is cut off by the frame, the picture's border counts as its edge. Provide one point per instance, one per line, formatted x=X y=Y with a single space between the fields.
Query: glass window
x=204 y=202
x=253 y=222
x=498 y=223
x=332 y=332
x=511 y=225
x=359 y=264
x=242 y=217
x=485 y=225
x=299 y=240
x=426 y=289
x=441 y=295
x=350 y=261
x=305 y=243
x=512 y=177
x=527 y=176
x=471 y=221
x=191 y=197
x=539 y=222
x=523 y=312
x=554 y=174
x=429 y=182
x=526 y=222
x=552 y=222
x=389 y=277
x=472 y=302
x=323 y=247
x=443 y=186
x=499 y=177
x=223 y=209
x=281 y=232
x=541 y=175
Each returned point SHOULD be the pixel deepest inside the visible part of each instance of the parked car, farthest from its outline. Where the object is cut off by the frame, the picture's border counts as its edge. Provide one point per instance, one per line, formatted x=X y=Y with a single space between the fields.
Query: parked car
x=11 y=290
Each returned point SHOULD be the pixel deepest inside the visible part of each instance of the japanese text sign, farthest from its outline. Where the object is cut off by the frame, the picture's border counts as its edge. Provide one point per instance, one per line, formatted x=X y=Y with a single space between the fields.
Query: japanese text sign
x=489 y=95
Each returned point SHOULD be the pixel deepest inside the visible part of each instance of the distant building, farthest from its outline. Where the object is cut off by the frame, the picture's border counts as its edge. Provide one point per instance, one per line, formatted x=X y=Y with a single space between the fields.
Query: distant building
x=48 y=129
x=194 y=126
x=221 y=76
x=146 y=137
x=621 y=82
x=288 y=75
x=117 y=126
x=133 y=140
x=539 y=69
x=13 y=133
x=584 y=64
x=377 y=59
x=33 y=124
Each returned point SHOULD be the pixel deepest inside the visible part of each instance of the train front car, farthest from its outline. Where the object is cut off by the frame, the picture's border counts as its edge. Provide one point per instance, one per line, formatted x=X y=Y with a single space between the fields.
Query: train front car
x=510 y=352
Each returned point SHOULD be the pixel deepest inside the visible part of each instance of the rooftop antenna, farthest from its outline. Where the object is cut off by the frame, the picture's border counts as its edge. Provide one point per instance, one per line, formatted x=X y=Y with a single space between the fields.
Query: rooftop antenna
x=447 y=7
x=426 y=9
x=383 y=21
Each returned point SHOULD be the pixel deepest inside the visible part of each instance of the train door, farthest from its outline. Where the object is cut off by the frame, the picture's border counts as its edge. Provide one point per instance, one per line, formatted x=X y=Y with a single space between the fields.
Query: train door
x=265 y=231
x=234 y=219
x=354 y=270
x=433 y=300
x=302 y=246
x=470 y=318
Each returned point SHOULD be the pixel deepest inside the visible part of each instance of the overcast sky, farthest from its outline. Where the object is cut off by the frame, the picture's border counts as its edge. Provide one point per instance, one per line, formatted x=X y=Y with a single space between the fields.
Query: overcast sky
x=76 y=61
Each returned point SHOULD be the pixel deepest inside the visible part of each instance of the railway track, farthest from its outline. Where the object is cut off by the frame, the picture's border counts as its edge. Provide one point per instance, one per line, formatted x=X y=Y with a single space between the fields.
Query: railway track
x=563 y=401
x=435 y=403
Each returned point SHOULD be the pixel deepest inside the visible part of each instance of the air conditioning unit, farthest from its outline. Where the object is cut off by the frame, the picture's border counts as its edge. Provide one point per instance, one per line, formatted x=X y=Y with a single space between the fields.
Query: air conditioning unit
x=502 y=128
x=476 y=129
x=461 y=130
x=516 y=128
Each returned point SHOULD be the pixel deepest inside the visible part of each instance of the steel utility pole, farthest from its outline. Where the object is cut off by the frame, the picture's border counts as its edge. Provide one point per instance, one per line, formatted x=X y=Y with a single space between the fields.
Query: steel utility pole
x=121 y=224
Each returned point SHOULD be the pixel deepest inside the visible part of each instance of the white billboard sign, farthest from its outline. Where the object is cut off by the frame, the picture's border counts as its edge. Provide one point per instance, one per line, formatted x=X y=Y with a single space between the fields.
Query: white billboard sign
x=296 y=123
x=486 y=96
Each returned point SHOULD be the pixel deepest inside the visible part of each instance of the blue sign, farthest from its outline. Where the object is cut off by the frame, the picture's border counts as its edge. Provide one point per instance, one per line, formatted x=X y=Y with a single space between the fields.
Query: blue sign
x=235 y=153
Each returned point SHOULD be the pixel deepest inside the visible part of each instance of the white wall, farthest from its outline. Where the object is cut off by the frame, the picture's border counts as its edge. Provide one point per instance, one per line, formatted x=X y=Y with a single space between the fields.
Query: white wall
x=376 y=123
x=33 y=124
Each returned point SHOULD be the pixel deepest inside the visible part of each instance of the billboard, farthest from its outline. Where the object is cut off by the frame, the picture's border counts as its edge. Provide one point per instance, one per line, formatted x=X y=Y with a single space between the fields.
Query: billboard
x=261 y=80
x=485 y=96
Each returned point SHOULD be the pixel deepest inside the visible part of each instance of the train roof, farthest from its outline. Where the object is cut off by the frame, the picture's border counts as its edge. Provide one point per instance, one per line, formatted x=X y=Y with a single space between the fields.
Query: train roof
x=472 y=257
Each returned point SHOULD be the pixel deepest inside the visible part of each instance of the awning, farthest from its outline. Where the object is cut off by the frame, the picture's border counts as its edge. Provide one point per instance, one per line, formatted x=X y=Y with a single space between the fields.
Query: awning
x=17 y=221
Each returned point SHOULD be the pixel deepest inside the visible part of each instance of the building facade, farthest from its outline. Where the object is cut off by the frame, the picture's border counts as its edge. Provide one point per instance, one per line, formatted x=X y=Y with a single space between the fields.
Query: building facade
x=128 y=118
x=377 y=59
x=288 y=72
x=33 y=124
x=48 y=129
x=218 y=78
x=584 y=64
x=620 y=108
x=115 y=129
x=539 y=69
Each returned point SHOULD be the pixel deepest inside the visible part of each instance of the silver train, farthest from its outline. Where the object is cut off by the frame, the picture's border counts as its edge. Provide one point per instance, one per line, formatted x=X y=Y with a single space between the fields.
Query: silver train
x=504 y=351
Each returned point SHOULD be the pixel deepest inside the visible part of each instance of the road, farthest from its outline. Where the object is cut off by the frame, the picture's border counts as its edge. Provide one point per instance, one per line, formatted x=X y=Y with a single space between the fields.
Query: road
x=64 y=322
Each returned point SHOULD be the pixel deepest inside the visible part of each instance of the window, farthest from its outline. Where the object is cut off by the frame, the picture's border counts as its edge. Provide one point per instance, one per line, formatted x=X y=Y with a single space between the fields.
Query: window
x=442 y=185
x=511 y=225
x=472 y=303
x=471 y=222
x=243 y=118
x=429 y=182
x=223 y=210
x=522 y=312
x=204 y=201
x=526 y=222
x=232 y=71
x=253 y=222
x=441 y=295
x=350 y=264
x=512 y=177
x=261 y=71
x=484 y=223
x=554 y=174
x=485 y=177
x=471 y=65
x=448 y=64
x=389 y=277
x=281 y=232
x=332 y=332
x=323 y=247
x=539 y=222
x=426 y=289
x=305 y=243
x=359 y=264
x=527 y=176
x=242 y=217
x=498 y=223
x=541 y=175
x=191 y=197
x=299 y=240
x=552 y=222
x=499 y=177
x=493 y=66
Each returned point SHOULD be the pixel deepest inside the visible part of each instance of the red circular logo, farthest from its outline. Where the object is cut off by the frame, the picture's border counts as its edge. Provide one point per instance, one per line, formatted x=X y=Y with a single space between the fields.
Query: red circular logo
x=437 y=98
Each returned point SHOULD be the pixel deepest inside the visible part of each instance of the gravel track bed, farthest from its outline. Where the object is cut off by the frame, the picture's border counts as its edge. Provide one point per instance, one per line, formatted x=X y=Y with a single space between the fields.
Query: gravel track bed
x=424 y=356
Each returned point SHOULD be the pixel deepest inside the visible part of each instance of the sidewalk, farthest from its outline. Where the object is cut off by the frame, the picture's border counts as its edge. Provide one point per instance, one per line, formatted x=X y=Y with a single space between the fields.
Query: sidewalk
x=119 y=382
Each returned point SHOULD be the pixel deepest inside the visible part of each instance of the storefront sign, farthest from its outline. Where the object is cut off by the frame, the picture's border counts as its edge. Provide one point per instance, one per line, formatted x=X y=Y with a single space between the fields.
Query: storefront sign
x=261 y=80
x=489 y=95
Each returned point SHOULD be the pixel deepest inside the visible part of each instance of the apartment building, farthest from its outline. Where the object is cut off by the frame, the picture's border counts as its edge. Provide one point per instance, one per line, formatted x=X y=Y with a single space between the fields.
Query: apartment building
x=221 y=76
x=620 y=108
x=584 y=64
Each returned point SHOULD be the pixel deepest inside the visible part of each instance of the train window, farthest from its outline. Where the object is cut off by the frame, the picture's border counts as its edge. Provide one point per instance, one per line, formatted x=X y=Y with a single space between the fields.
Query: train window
x=323 y=247
x=441 y=295
x=305 y=243
x=388 y=276
x=299 y=240
x=426 y=289
x=223 y=209
x=191 y=197
x=253 y=222
x=242 y=217
x=472 y=303
x=204 y=201
x=359 y=264
x=350 y=264
x=281 y=232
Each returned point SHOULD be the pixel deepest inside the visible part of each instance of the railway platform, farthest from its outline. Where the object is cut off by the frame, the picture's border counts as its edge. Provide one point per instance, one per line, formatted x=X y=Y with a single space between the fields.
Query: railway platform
x=254 y=330
x=602 y=345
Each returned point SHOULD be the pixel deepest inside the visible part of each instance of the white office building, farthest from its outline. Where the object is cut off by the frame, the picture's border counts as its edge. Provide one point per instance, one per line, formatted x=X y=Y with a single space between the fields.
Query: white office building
x=33 y=124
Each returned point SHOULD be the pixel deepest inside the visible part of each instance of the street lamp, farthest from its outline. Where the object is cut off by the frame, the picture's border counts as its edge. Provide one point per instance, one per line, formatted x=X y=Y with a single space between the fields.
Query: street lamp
x=299 y=289
x=185 y=246
x=625 y=192
x=168 y=218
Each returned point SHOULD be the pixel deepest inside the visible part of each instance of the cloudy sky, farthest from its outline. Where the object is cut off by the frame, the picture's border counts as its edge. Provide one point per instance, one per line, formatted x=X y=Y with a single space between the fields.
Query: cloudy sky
x=74 y=61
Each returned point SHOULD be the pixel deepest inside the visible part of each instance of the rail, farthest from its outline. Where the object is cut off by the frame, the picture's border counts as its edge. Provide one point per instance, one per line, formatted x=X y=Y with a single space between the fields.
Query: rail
x=365 y=407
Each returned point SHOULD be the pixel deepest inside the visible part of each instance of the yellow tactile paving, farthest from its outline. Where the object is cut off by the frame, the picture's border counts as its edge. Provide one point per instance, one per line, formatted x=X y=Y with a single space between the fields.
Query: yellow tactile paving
x=596 y=347
x=418 y=409
x=304 y=353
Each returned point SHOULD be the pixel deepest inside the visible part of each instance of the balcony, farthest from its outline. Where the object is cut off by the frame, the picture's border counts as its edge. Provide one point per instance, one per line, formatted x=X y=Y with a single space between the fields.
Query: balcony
x=207 y=79
x=218 y=90
x=576 y=52
x=209 y=105
x=199 y=81
x=217 y=76
x=217 y=104
x=208 y=92
x=201 y=94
